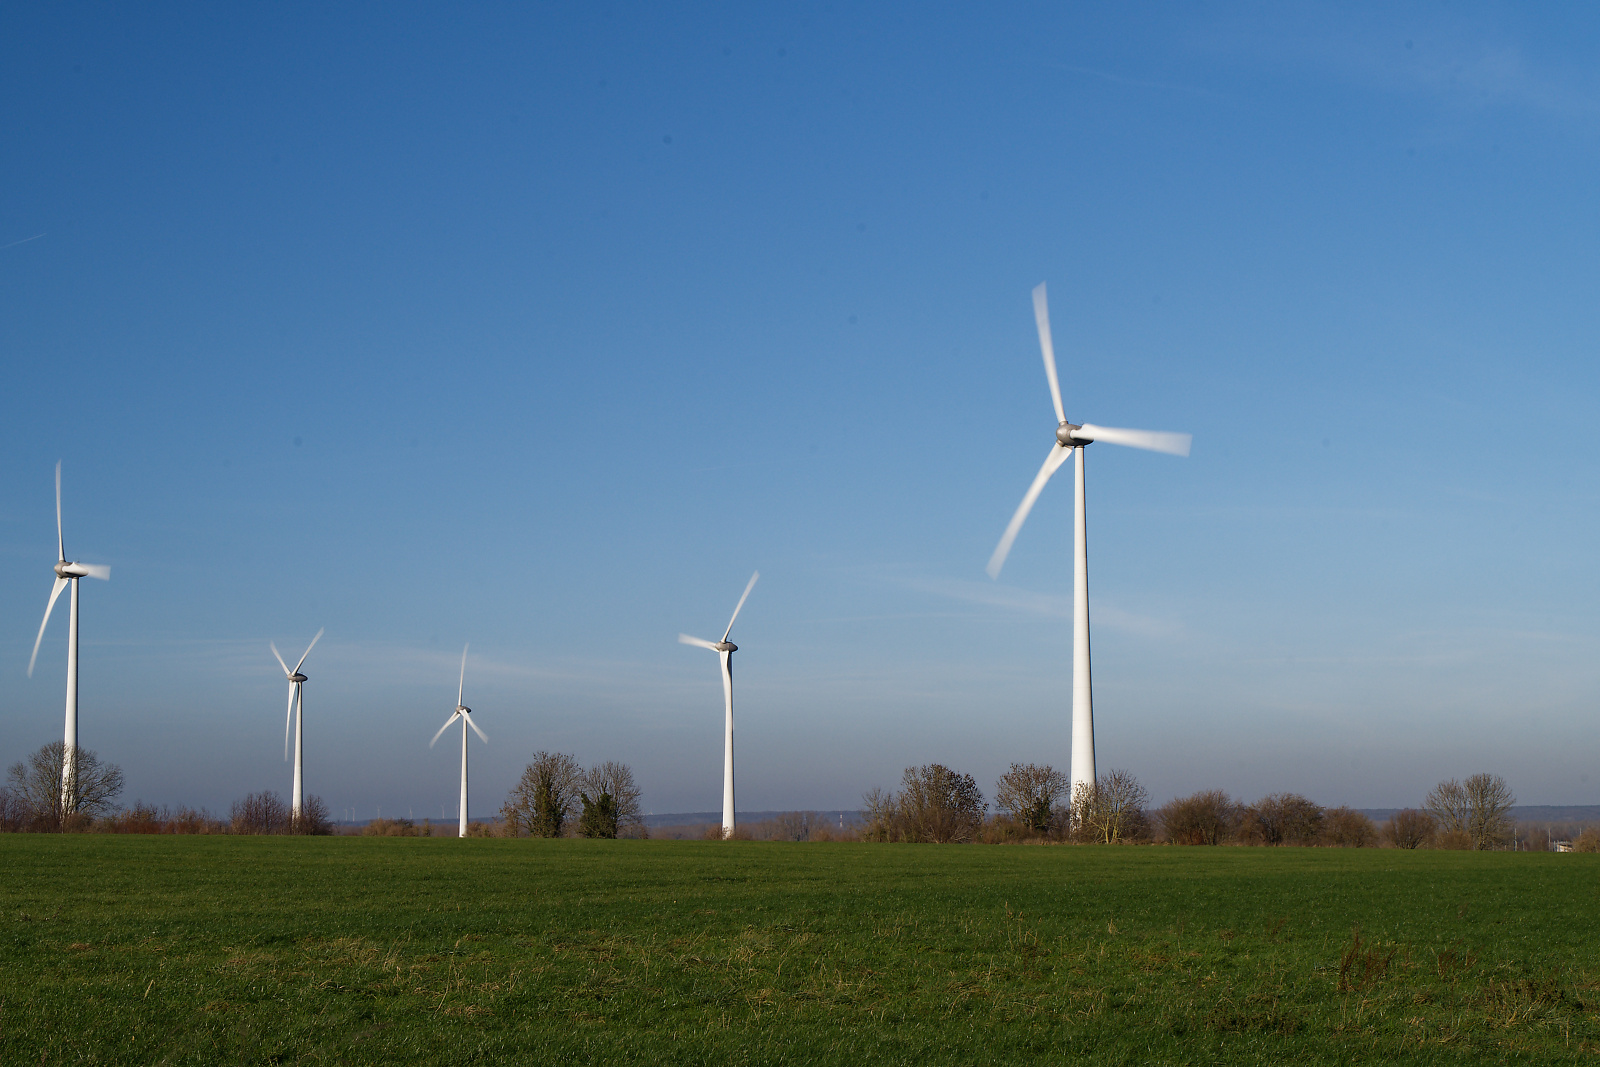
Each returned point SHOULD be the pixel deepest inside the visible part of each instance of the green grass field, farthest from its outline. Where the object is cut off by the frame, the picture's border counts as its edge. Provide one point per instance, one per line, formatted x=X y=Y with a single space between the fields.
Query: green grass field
x=362 y=950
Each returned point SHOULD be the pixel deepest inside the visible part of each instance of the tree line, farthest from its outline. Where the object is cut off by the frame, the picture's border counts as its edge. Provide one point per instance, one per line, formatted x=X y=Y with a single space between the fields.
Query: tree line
x=32 y=801
x=1034 y=803
x=557 y=797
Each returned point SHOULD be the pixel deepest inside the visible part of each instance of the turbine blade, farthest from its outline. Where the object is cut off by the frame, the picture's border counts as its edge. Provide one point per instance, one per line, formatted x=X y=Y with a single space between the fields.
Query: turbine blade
x=453 y=717
x=97 y=570
x=55 y=593
x=1058 y=455
x=740 y=605
x=1175 y=444
x=285 y=666
x=309 y=647
x=685 y=639
x=61 y=545
x=461 y=687
x=287 y=722
x=467 y=716
x=1041 y=318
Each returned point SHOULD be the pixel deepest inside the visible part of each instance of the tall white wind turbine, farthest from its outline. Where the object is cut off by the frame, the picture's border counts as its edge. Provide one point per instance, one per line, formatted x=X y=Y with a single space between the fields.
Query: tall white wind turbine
x=297 y=704
x=463 y=713
x=1071 y=440
x=725 y=650
x=67 y=574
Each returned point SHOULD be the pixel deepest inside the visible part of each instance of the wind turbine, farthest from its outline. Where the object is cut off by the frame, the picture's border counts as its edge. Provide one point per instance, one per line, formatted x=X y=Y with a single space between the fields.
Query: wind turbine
x=67 y=574
x=725 y=649
x=463 y=713
x=297 y=700
x=1071 y=440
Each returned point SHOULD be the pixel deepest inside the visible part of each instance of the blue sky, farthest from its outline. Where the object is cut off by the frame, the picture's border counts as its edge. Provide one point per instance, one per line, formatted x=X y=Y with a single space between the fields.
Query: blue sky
x=541 y=328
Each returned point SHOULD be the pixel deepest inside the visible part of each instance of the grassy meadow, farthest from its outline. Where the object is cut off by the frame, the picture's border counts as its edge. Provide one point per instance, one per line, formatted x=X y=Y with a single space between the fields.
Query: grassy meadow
x=146 y=949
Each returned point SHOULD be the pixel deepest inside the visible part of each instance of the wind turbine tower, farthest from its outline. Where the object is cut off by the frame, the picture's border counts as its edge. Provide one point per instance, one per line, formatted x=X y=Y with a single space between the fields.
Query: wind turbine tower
x=725 y=650
x=463 y=713
x=1071 y=441
x=297 y=715
x=67 y=574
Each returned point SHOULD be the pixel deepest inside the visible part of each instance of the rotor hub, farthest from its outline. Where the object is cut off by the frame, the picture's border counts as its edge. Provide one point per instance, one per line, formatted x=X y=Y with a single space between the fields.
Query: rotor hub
x=297 y=677
x=1064 y=436
x=726 y=646
x=462 y=709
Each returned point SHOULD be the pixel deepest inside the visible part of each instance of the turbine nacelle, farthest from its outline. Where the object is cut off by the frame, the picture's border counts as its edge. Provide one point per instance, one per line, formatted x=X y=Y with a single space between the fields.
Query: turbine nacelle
x=297 y=677
x=462 y=709
x=725 y=646
x=65 y=569
x=1065 y=435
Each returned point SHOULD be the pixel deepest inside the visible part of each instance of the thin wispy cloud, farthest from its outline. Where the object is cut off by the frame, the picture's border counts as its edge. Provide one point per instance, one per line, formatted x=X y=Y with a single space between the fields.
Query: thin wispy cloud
x=1010 y=598
x=23 y=241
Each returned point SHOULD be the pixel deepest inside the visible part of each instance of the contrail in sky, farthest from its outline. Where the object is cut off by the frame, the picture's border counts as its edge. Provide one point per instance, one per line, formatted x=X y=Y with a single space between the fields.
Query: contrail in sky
x=25 y=240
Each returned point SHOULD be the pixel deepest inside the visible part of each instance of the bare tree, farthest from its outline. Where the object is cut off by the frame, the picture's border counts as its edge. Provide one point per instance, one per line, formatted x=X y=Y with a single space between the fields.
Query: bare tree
x=878 y=815
x=36 y=782
x=1348 y=828
x=544 y=797
x=1030 y=793
x=1209 y=817
x=1410 y=829
x=1489 y=802
x=1447 y=803
x=1110 y=810
x=615 y=780
x=1283 y=819
x=259 y=813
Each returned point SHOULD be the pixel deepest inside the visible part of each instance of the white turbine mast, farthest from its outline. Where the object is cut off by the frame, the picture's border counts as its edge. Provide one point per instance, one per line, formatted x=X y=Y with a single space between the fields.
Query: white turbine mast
x=67 y=574
x=296 y=717
x=725 y=650
x=1071 y=440
x=463 y=713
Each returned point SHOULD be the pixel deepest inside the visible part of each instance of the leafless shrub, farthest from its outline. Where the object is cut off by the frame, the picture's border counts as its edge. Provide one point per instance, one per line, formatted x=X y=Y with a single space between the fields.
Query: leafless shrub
x=1454 y=840
x=14 y=812
x=795 y=826
x=543 y=799
x=1410 y=829
x=1110 y=810
x=259 y=813
x=1282 y=819
x=1029 y=794
x=484 y=829
x=142 y=818
x=1209 y=817
x=36 y=783
x=1587 y=841
x=935 y=804
x=313 y=820
x=1348 y=828
x=391 y=828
